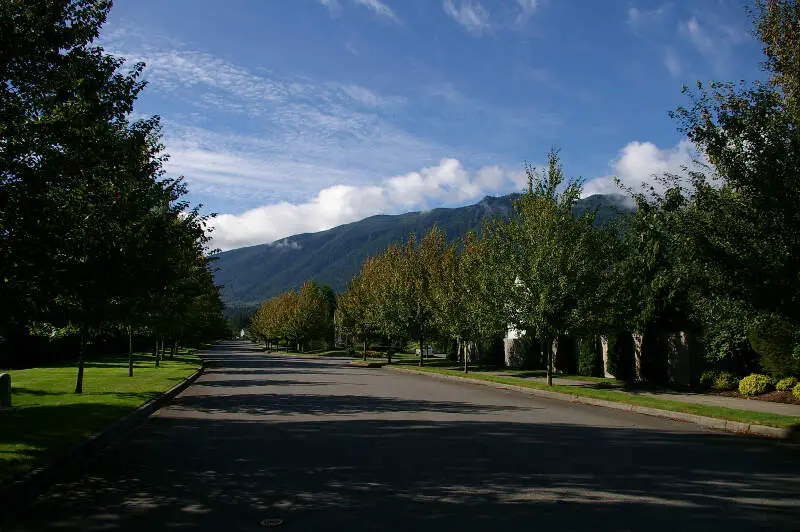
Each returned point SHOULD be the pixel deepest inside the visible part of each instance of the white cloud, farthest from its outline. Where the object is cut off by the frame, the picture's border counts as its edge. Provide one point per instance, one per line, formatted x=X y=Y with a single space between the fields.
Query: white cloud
x=526 y=9
x=672 y=62
x=639 y=163
x=376 y=6
x=640 y=19
x=469 y=13
x=699 y=37
x=448 y=181
x=379 y=8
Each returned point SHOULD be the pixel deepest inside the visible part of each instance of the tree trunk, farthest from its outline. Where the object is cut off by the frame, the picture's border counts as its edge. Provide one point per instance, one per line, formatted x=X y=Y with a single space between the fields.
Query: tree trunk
x=174 y=349
x=364 y=357
x=81 y=356
x=155 y=354
x=421 y=351
x=389 y=354
x=163 y=348
x=130 y=351
x=637 y=355
x=466 y=358
x=549 y=346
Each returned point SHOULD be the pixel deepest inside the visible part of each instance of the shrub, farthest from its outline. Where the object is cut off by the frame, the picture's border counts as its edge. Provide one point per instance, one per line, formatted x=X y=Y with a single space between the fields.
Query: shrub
x=590 y=362
x=796 y=392
x=786 y=385
x=775 y=342
x=707 y=378
x=725 y=381
x=754 y=385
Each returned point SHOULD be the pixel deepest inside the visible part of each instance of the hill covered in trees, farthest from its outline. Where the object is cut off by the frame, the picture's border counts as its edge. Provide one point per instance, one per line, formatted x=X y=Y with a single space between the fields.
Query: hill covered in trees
x=252 y=274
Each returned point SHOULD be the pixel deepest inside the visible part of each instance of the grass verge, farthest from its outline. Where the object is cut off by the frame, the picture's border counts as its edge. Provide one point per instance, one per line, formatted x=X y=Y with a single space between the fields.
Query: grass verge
x=47 y=417
x=732 y=414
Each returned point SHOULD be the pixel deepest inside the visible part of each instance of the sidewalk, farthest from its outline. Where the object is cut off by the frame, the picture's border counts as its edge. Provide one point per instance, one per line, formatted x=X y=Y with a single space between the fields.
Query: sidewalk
x=753 y=405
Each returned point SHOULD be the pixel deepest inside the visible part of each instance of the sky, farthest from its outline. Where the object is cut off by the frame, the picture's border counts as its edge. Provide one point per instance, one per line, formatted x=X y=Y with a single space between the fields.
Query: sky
x=294 y=116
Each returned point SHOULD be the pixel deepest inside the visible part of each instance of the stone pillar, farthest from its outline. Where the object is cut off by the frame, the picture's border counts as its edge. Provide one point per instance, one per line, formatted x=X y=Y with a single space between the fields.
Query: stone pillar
x=5 y=390
x=678 y=358
x=637 y=355
x=604 y=347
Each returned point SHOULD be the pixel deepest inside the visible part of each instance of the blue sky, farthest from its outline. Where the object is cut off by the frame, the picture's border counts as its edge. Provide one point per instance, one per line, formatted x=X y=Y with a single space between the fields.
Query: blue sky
x=289 y=116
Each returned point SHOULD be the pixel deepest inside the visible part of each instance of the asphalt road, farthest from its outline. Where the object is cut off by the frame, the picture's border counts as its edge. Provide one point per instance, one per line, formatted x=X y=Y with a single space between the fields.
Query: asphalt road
x=322 y=445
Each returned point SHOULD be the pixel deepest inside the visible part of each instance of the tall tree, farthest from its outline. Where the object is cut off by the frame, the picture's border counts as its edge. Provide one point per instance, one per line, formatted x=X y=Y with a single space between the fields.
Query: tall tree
x=744 y=220
x=557 y=258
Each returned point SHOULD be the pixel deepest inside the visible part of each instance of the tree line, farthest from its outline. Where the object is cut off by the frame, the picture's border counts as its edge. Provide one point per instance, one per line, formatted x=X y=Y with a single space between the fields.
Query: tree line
x=713 y=253
x=295 y=317
x=96 y=241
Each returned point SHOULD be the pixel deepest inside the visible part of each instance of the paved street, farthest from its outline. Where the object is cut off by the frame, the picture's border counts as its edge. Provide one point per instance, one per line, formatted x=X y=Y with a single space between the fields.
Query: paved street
x=325 y=446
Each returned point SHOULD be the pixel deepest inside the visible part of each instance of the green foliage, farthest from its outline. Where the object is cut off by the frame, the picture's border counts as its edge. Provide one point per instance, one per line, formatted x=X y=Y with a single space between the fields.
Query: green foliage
x=557 y=259
x=796 y=392
x=719 y=380
x=298 y=316
x=775 y=340
x=786 y=385
x=590 y=362
x=725 y=381
x=754 y=384
x=93 y=235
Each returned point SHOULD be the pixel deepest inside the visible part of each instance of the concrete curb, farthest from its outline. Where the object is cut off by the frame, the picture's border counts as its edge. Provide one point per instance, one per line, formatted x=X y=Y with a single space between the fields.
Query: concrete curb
x=752 y=429
x=22 y=492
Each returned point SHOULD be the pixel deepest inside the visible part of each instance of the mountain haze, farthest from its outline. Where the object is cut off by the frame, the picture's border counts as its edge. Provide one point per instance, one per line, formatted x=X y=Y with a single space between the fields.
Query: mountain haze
x=251 y=274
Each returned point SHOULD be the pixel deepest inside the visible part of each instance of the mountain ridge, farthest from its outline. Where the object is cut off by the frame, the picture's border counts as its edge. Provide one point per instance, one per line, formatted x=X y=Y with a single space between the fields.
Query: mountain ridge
x=252 y=274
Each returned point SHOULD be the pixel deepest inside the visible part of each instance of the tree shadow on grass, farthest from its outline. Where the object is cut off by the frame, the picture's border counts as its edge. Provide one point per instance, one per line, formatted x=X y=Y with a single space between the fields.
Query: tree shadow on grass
x=428 y=475
x=41 y=432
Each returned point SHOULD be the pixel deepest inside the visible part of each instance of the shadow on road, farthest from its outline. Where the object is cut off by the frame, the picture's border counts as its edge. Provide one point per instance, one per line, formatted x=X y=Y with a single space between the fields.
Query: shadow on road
x=401 y=475
x=417 y=475
x=317 y=404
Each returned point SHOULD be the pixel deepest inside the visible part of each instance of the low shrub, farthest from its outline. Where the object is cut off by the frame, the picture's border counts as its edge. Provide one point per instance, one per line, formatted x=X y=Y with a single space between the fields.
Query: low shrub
x=725 y=381
x=754 y=384
x=786 y=385
x=707 y=378
x=796 y=392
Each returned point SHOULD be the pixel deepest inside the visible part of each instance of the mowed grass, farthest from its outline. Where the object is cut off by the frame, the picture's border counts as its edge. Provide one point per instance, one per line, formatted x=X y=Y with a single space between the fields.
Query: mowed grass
x=743 y=416
x=47 y=417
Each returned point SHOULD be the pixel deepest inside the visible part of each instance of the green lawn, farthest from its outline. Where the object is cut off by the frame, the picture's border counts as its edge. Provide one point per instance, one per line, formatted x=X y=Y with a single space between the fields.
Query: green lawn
x=731 y=414
x=47 y=417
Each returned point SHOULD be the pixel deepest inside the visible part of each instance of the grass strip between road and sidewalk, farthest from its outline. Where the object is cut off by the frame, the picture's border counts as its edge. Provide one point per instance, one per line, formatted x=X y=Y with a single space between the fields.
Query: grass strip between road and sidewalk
x=47 y=418
x=720 y=412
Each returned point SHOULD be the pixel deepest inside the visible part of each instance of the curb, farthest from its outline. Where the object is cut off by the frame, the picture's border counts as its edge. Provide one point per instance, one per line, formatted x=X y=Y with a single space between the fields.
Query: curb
x=735 y=427
x=22 y=492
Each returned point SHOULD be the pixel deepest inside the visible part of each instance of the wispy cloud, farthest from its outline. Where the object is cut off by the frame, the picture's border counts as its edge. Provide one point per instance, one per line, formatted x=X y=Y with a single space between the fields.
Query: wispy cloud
x=476 y=18
x=376 y=6
x=379 y=8
x=526 y=9
x=339 y=204
x=469 y=13
x=714 y=38
x=641 y=19
x=672 y=62
x=698 y=35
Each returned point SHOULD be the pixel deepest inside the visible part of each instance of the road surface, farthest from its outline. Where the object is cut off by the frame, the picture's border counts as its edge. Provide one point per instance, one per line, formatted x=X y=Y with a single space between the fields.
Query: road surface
x=319 y=445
